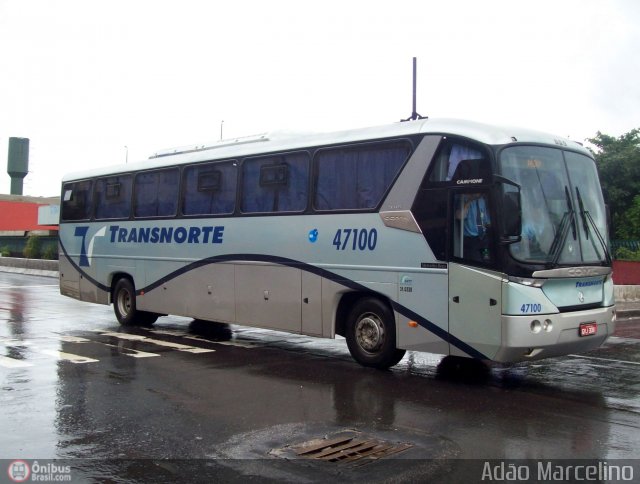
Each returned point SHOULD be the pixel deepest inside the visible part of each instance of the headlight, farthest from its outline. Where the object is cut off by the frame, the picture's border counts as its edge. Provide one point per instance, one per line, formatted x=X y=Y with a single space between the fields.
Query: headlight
x=527 y=282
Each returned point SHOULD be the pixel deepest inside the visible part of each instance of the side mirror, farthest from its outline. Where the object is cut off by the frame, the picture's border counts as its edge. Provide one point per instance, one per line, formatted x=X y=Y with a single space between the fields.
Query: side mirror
x=510 y=210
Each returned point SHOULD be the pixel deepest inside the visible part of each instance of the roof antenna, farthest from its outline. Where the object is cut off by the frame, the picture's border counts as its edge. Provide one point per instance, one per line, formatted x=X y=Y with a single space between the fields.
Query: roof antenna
x=414 y=115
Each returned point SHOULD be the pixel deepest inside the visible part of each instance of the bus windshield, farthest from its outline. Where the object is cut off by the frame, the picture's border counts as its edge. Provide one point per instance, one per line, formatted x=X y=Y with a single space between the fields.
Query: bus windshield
x=563 y=215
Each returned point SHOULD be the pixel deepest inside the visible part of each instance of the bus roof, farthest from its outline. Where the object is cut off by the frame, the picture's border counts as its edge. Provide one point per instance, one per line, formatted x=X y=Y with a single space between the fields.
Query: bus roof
x=278 y=141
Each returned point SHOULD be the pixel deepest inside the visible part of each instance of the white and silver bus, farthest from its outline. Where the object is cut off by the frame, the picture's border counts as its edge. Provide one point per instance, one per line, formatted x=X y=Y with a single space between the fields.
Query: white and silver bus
x=442 y=236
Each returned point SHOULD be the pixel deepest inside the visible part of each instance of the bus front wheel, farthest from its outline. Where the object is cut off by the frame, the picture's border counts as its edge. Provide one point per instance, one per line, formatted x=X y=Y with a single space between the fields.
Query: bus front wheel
x=371 y=334
x=124 y=305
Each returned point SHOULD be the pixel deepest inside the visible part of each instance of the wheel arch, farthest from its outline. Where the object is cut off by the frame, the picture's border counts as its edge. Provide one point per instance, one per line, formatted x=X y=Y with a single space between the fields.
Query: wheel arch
x=113 y=279
x=348 y=300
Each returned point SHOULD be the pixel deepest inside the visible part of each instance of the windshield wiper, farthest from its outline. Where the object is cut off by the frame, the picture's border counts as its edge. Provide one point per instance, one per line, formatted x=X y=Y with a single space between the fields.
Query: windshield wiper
x=607 y=254
x=558 y=241
x=563 y=230
x=585 y=225
x=574 y=230
x=588 y=219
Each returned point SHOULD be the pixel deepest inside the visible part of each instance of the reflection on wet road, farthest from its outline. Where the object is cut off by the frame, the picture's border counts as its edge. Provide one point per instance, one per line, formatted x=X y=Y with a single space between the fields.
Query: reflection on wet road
x=77 y=385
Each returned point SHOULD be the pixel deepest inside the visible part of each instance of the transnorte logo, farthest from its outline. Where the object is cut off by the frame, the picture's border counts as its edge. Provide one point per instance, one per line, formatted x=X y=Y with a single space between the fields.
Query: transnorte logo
x=147 y=235
x=82 y=232
x=588 y=283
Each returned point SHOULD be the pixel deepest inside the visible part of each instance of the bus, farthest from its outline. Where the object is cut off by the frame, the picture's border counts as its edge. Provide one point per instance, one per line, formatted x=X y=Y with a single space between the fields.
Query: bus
x=442 y=236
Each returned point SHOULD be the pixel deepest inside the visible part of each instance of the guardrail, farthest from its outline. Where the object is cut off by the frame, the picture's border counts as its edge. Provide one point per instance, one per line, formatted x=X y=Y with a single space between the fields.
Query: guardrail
x=633 y=245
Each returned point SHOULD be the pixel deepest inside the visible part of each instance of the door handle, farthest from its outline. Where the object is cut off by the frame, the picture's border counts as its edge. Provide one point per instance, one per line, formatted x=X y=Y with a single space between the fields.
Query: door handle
x=456 y=299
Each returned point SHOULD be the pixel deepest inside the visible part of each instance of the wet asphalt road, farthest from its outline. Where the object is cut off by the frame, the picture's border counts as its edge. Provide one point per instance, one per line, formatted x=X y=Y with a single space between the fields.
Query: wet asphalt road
x=138 y=404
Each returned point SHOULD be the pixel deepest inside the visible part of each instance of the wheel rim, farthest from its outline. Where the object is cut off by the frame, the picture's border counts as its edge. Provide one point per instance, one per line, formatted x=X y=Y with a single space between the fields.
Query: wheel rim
x=370 y=332
x=124 y=302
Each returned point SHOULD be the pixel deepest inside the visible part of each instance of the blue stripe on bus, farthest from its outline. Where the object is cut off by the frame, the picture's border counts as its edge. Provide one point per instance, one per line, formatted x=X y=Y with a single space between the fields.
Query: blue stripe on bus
x=82 y=272
x=408 y=313
x=425 y=323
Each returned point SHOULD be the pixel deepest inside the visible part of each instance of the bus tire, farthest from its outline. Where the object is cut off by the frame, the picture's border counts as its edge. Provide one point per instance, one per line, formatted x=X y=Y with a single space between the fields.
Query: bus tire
x=371 y=334
x=124 y=305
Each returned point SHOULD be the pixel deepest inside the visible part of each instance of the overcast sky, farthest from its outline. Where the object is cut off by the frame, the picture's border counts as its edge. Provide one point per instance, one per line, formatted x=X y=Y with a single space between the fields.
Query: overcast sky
x=83 y=79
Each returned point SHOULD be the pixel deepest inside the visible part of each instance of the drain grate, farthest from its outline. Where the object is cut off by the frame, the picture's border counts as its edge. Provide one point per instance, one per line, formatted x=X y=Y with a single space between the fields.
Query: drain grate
x=348 y=448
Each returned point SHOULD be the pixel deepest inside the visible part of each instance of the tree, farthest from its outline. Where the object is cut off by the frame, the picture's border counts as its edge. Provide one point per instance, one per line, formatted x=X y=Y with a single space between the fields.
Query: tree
x=32 y=248
x=618 y=161
x=630 y=226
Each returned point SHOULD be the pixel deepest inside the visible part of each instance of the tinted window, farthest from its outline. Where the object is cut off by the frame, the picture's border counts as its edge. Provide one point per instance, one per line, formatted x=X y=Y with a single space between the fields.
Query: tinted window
x=472 y=227
x=275 y=183
x=357 y=177
x=458 y=160
x=156 y=193
x=77 y=200
x=210 y=189
x=430 y=211
x=113 y=197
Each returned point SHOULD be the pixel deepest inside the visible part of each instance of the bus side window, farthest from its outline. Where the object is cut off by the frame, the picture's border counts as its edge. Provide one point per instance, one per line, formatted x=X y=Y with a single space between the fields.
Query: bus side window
x=356 y=178
x=156 y=193
x=77 y=200
x=113 y=197
x=210 y=189
x=275 y=183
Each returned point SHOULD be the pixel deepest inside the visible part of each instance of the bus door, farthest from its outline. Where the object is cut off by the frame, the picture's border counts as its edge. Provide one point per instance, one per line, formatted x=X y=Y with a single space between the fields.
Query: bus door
x=475 y=290
x=475 y=308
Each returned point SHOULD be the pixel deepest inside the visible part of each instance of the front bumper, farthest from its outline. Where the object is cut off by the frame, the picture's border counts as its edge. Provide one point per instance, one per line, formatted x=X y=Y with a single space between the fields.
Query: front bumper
x=520 y=343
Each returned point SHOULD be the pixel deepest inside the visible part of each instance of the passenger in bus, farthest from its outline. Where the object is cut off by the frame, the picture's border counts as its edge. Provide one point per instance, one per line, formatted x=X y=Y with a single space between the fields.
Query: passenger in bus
x=476 y=225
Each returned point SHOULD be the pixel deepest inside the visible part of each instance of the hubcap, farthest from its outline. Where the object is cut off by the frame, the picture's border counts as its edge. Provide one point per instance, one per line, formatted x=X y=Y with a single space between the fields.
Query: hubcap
x=124 y=302
x=370 y=332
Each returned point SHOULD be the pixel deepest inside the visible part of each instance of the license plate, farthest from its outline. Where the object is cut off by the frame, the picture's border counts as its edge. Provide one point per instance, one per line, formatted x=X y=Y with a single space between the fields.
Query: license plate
x=587 y=329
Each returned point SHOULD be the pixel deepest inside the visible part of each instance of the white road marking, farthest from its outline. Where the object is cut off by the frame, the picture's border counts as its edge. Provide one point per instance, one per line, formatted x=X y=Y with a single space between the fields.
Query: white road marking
x=21 y=287
x=67 y=356
x=226 y=343
x=71 y=339
x=132 y=352
x=13 y=343
x=158 y=342
x=169 y=332
x=605 y=359
x=7 y=362
x=185 y=335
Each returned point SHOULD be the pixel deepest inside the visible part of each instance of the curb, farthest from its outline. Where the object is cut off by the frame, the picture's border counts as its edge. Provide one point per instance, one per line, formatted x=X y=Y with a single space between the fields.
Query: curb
x=30 y=272
x=624 y=314
x=32 y=267
x=627 y=293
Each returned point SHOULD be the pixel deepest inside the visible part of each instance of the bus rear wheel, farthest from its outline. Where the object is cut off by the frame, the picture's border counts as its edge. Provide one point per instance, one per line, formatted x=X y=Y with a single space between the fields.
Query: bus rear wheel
x=371 y=334
x=124 y=305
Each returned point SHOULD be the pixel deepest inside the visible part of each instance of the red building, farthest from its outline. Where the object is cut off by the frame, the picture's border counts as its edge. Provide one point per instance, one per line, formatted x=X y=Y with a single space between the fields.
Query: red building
x=20 y=214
